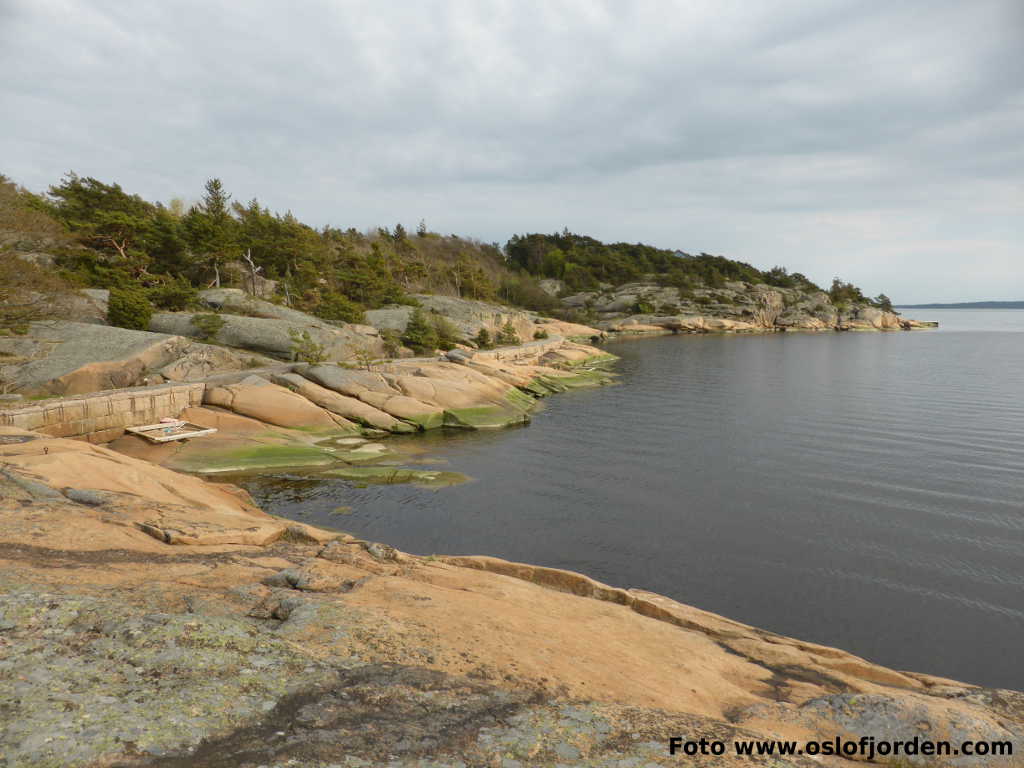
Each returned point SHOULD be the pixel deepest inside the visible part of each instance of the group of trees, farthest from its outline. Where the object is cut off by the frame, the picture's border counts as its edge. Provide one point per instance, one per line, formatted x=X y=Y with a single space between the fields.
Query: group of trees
x=156 y=254
x=583 y=263
x=110 y=238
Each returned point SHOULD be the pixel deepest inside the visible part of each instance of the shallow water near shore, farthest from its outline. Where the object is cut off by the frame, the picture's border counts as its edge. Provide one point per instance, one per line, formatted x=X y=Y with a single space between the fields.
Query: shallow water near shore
x=862 y=490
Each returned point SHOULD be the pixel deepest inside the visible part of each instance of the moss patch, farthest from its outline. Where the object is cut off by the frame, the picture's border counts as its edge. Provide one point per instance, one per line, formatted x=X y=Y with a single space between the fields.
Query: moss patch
x=425 y=421
x=485 y=417
x=256 y=457
x=519 y=399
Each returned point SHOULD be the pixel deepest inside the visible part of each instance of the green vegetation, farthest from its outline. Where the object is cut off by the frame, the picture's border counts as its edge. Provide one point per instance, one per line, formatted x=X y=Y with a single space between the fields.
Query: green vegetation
x=483 y=339
x=305 y=349
x=338 y=308
x=29 y=293
x=174 y=295
x=129 y=308
x=507 y=336
x=447 y=334
x=392 y=342
x=103 y=236
x=207 y=325
x=583 y=263
x=420 y=334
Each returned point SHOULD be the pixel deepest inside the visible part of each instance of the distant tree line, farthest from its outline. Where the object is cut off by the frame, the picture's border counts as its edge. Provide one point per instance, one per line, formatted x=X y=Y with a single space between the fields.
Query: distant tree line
x=584 y=263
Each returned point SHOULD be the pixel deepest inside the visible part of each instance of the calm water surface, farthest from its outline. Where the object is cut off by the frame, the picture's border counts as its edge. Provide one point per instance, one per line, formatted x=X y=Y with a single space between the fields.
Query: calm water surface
x=860 y=490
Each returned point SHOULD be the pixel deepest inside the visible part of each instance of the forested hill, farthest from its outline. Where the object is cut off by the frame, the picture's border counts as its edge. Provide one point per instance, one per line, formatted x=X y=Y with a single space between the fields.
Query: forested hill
x=584 y=263
x=95 y=234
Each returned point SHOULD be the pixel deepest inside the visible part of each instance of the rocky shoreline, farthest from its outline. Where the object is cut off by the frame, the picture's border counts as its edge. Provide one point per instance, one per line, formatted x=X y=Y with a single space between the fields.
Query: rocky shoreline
x=149 y=617
x=154 y=618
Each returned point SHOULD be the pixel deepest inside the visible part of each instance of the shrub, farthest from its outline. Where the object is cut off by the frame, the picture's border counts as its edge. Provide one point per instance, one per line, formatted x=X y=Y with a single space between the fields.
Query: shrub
x=447 y=333
x=207 y=326
x=174 y=296
x=642 y=307
x=420 y=334
x=392 y=342
x=523 y=291
x=364 y=357
x=483 y=339
x=507 y=336
x=541 y=334
x=305 y=349
x=129 y=308
x=337 y=308
x=29 y=293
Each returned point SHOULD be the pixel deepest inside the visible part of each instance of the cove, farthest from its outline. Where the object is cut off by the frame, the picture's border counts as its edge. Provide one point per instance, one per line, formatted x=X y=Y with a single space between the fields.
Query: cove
x=857 y=490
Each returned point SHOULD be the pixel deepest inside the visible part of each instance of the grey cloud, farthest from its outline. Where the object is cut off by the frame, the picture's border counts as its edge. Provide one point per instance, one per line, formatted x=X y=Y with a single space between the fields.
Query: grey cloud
x=835 y=137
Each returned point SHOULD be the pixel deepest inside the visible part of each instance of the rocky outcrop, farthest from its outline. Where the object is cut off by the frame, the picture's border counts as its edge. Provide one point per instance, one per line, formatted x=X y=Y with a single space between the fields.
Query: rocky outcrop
x=646 y=307
x=68 y=358
x=276 y=336
x=260 y=399
x=470 y=316
x=349 y=408
x=152 y=618
x=201 y=361
x=71 y=358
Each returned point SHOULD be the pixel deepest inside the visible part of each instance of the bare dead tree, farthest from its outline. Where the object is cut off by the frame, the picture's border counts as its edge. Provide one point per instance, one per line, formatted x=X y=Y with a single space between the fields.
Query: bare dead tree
x=253 y=270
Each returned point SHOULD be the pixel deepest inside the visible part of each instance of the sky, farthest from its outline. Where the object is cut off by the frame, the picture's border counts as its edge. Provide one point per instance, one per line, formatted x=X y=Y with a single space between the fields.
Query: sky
x=878 y=141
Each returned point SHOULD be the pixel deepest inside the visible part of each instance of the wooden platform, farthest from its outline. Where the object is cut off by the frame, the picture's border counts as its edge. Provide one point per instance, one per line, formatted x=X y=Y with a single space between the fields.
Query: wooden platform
x=168 y=431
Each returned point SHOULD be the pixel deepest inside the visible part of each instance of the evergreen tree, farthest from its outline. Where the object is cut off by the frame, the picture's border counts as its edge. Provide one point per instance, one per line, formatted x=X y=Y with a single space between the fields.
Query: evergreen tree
x=420 y=333
x=507 y=336
x=128 y=307
x=447 y=334
x=211 y=230
x=483 y=339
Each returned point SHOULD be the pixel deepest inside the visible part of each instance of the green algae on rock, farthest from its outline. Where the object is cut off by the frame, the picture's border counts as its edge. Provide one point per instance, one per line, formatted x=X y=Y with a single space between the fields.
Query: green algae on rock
x=254 y=457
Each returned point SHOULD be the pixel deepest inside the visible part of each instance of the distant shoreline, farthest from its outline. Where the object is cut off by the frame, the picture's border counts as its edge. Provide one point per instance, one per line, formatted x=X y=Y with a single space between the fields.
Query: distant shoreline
x=967 y=305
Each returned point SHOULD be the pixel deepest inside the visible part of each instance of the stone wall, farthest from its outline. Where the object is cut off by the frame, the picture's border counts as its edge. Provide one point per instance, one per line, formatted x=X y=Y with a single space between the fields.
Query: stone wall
x=102 y=416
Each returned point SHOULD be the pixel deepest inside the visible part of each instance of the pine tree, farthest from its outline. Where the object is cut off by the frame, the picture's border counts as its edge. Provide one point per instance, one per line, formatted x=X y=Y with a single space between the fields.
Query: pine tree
x=420 y=333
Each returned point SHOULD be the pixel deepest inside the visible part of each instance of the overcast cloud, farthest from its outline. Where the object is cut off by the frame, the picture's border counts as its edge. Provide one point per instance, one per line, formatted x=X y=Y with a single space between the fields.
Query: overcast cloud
x=881 y=141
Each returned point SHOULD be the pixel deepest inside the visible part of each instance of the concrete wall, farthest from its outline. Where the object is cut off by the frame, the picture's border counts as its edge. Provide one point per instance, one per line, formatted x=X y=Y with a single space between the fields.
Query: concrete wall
x=102 y=416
